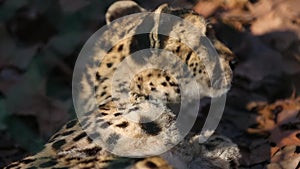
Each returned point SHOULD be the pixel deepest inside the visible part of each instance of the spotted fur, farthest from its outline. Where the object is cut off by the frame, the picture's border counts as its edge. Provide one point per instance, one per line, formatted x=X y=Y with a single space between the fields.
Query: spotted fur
x=113 y=108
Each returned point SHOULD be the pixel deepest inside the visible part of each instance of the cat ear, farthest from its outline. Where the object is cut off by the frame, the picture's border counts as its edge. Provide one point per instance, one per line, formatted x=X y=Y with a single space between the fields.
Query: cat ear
x=122 y=8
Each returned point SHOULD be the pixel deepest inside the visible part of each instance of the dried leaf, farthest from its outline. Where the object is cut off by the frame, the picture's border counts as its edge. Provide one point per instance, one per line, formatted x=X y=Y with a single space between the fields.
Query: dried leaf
x=287 y=157
x=275 y=15
x=281 y=120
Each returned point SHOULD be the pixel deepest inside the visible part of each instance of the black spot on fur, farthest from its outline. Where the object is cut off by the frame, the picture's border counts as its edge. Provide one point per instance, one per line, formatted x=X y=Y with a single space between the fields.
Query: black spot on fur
x=112 y=139
x=168 y=78
x=27 y=161
x=109 y=65
x=105 y=125
x=177 y=49
x=80 y=136
x=164 y=84
x=95 y=135
x=99 y=120
x=104 y=114
x=172 y=84
x=103 y=107
x=123 y=124
x=86 y=161
x=103 y=93
x=188 y=57
x=115 y=99
x=99 y=115
x=150 y=164
x=67 y=133
x=150 y=128
x=56 y=145
x=117 y=114
x=120 y=48
x=89 y=140
x=139 y=86
x=92 y=151
x=107 y=97
x=71 y=124
x=48 y=164
x=103 y=79
x=107 y=161
x=122 y=58
x=98 y=76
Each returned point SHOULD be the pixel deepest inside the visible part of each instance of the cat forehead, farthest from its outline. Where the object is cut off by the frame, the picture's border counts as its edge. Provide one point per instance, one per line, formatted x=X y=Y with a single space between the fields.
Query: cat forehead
x=163 y=13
